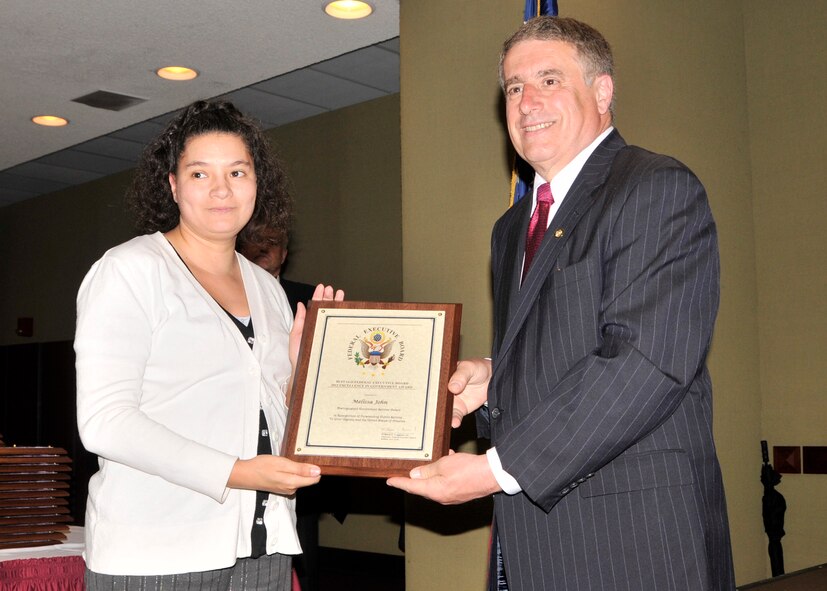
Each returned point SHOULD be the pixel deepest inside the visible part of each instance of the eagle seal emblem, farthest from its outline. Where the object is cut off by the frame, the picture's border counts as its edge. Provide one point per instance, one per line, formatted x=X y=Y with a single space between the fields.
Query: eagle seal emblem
x=377 y=350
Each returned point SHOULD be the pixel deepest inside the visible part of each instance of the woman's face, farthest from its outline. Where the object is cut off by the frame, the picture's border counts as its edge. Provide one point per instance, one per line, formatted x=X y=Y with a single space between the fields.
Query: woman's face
x=214 y=185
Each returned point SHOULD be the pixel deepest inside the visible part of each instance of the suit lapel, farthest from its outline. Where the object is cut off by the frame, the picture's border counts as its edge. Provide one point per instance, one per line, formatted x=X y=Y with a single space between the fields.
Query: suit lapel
x=508 y=272
x=577 y=202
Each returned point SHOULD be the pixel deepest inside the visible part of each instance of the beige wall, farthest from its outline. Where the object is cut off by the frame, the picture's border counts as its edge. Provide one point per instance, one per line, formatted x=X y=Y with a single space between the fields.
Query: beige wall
x=344 y=167
x=787 y=90
x=455 y=175
x=46 y=246
x=720 y=86
x=345 y=171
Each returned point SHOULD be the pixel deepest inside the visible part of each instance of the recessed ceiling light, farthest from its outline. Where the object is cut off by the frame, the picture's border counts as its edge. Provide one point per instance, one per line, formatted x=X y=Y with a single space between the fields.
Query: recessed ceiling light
x=50 y=121
x=348 y=9
x=176 y=73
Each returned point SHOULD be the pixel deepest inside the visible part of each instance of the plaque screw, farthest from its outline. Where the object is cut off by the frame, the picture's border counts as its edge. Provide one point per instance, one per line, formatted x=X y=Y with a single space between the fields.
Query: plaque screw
x=298 y=449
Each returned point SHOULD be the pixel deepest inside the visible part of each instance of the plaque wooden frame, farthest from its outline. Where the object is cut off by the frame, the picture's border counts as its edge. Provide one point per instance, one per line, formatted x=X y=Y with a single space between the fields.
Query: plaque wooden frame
x=375 y=461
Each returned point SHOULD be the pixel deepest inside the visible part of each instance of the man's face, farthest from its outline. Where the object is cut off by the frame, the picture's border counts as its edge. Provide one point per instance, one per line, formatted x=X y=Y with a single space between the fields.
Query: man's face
x=269 y=255
x=551 y=113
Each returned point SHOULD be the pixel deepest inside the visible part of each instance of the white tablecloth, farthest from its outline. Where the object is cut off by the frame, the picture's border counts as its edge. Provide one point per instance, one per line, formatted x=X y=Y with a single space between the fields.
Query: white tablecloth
x=72 y=546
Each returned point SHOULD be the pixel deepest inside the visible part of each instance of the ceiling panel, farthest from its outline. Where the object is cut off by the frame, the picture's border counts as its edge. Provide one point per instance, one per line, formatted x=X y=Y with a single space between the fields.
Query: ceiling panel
x=71 y=158
x=272 y=110
x=53 y=172
x=113 y=146
x=374 y=66
x=28 y=184
x=142 y=133
x=320 y=89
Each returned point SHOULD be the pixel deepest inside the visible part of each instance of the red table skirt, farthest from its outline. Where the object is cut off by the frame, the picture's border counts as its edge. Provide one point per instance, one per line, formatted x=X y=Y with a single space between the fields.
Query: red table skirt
x=61 y=573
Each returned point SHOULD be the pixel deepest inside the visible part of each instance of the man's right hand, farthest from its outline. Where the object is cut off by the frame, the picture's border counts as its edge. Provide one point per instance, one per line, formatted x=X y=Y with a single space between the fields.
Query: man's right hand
x=469 y=384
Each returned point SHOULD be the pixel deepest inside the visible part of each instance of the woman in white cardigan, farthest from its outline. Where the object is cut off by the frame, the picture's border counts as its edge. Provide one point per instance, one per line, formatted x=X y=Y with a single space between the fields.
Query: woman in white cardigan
x=184 y=358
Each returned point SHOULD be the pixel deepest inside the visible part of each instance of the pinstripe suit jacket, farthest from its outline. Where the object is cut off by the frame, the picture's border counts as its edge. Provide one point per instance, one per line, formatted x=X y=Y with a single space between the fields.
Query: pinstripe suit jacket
x=600 y=401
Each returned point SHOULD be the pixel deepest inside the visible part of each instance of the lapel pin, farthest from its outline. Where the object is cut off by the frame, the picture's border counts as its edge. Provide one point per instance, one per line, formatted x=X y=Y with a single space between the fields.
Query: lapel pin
x=558 y=233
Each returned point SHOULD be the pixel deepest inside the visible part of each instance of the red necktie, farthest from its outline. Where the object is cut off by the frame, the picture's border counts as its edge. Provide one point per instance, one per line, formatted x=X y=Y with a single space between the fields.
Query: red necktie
x=537 y=225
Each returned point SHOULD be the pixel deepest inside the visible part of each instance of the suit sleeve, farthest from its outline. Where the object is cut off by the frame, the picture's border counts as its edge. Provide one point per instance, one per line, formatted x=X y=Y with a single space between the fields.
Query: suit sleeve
x=658 y=297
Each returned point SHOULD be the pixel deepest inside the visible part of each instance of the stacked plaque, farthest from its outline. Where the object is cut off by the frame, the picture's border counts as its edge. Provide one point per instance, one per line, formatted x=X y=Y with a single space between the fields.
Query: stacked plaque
x=34 y=486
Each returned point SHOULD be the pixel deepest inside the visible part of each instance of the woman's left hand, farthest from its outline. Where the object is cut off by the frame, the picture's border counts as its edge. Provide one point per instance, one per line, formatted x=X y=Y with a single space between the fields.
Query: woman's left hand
x=275 y=474
x=322 y=293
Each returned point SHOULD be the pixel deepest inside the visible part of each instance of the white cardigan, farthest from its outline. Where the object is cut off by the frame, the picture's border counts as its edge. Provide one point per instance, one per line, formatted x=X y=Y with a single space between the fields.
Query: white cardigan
x=168 y=395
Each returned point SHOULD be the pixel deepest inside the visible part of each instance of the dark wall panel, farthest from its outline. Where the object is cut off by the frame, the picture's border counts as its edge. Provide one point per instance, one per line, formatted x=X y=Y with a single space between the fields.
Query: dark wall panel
x=37 y=387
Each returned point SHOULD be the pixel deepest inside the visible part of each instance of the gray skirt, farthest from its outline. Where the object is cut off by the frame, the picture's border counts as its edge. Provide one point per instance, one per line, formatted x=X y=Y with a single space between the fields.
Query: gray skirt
x=273 y=572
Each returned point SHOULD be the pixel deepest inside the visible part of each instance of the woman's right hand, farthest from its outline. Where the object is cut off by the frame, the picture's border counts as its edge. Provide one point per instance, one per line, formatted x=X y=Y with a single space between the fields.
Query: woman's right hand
x=323 y=292
x=275 y=474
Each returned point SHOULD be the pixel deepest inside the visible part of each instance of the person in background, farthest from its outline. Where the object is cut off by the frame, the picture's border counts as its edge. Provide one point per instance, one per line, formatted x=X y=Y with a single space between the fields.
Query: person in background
x=185 y=351
x=269 y=251
x=596 y=399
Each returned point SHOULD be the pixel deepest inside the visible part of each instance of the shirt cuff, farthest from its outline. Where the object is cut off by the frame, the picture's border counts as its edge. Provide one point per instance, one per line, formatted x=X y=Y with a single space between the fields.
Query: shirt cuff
x=504 y=479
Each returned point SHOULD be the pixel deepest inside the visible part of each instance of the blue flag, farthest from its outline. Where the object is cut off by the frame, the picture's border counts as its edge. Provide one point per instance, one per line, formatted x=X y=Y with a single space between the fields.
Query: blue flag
x=521 y=173
x=539 y=7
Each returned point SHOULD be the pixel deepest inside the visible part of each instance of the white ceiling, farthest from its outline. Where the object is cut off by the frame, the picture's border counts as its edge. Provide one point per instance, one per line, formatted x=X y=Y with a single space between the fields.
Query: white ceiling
x=277 y=60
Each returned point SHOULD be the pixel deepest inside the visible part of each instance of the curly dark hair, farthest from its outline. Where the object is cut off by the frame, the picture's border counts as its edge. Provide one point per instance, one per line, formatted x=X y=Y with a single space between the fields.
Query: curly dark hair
x=150 y=196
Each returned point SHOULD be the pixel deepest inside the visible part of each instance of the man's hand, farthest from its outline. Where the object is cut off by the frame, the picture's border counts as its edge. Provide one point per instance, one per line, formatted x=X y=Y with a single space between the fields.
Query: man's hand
x=453 y=479
x=469 y=384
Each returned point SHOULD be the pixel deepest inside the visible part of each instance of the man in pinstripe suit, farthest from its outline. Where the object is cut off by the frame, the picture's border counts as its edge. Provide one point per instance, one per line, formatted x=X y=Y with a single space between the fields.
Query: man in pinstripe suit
x=597 y=400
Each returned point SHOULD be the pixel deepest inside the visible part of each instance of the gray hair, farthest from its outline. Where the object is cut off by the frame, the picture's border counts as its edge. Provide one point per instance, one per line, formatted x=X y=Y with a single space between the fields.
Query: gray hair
x=593 y=50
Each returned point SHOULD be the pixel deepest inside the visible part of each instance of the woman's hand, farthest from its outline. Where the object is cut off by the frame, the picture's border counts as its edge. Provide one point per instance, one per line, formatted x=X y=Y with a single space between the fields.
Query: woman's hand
x=322 y=293
x=274 y=474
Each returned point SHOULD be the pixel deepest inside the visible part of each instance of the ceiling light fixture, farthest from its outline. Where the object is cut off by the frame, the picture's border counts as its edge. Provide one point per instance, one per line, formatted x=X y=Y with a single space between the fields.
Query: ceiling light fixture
x=176 y=73
x=50 y=121
x=348 y=9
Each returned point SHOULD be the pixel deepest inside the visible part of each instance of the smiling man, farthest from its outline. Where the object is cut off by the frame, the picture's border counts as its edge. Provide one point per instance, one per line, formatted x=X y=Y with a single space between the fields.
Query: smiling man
x=596 y=399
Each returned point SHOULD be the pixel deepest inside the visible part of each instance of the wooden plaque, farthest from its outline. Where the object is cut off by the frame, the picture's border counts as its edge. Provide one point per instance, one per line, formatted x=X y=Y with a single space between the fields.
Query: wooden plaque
x=370 y=395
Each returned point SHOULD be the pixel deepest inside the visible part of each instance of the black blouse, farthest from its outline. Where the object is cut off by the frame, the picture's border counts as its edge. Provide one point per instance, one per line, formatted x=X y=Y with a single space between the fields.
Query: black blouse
x=259 y=532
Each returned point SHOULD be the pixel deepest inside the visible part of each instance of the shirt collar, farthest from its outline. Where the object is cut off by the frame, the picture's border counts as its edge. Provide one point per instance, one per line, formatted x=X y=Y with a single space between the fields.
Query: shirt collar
x=563 y=180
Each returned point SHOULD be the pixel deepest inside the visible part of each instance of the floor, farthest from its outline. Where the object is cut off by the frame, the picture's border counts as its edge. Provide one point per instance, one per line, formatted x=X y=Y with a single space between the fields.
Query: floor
x=810 y=579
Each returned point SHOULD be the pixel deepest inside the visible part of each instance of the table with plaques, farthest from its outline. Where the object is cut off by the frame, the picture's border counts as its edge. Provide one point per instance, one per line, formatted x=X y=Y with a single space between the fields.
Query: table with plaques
x=39 y=549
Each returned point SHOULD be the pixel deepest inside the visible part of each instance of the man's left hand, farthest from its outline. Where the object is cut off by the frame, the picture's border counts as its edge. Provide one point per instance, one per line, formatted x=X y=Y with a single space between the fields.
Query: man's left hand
x=451 y=480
